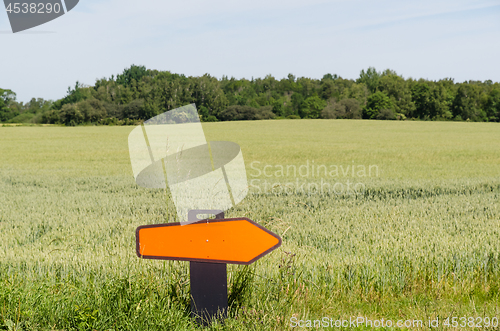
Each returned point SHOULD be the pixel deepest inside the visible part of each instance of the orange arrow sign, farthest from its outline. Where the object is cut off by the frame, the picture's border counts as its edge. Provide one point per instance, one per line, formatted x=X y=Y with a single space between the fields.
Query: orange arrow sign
x=231 y=240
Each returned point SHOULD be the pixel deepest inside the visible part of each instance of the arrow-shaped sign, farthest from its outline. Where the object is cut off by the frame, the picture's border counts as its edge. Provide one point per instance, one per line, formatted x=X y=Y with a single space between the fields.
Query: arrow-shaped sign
x=203 y=178
x=233 y=240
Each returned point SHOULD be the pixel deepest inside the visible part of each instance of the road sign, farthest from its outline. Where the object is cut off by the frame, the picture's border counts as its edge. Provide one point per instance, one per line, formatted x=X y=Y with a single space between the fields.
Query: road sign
x=233 y=240
x=171 y=148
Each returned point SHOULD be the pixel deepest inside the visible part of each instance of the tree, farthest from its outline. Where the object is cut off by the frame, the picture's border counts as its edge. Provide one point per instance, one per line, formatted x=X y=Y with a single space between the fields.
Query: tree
x=352 y=108
x=139 y=94
x=377 y=102
x=466 y=104
x=92 y=110
x=440 y=101
x=333 y=110
x=493 y=105
x=346 y=109
x=297 y=103
x=330 y=76
x=370 y=78
x=312 y=107
x=208 y=93
x=356 y=91
x=71 y=115
x=129 y=75
x=7 y=97
x=397 y=89
x=79 y=93
x=422 y=99
x=335 y=88
x=279 y=106
x=134 y=110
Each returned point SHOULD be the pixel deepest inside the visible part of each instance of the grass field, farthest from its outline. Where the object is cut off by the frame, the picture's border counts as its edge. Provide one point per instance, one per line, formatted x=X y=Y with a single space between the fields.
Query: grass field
x=418 y=239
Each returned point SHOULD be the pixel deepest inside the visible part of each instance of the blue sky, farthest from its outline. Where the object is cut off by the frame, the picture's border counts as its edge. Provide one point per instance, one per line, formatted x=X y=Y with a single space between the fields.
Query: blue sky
x=420 y=39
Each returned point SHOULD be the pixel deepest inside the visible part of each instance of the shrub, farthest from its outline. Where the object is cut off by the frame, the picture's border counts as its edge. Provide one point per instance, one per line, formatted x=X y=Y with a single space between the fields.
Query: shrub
x=22 y=118
x=209 y=118
x=134 y=109
x=242 y=113
x=386 y=114
x=377 y=102
x=347 y=108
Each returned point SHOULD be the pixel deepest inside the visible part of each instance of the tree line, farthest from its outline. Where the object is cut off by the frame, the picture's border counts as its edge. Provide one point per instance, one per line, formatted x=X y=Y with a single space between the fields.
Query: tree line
x=138 y=94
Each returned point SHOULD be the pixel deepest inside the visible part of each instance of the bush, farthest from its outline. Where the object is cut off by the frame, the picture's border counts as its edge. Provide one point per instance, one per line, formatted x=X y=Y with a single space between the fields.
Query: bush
x=209 y=118
x=242 y=113
x=92 y=110
x=347 y=109
x=265 y=113
x=386 y=114
x=312 y=107
x=377 y=102
x=110 y=121
x=114 y=110
x=293 y=117
x=22 y=118
x=51 y=117
x=134 y=109
x=70 y=115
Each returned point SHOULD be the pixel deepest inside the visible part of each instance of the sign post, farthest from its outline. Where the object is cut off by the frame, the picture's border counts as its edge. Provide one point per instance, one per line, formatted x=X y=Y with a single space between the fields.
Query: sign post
x=208 y=291
x=208 y=284
x=209 y=245
x=171 y=150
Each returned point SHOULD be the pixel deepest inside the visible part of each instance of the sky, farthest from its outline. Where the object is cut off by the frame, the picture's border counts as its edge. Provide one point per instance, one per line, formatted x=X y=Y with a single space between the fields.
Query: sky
x=244 y=39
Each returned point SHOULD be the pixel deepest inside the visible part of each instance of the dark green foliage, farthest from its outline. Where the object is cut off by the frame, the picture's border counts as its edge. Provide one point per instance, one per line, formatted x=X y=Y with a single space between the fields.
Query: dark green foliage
x=18 y=112
x=432 y=99
x=279 y=106
x=377 y=102
x=210 y=118
x=370 y=78
x=493 y=106
x=398 y=91
x=114 y=110
x=345 y=109
x=80 y=92
x=50 y=117
x=241 y=113
x=134 y=110
x=330 y=76
x=139 y=94
x=466 y=103
x=7 y=113
x=421 y=98
x=386 y=114
x=312 y=107
x=297 y=103
x=93 y=110
x=71 y=115
x=131 y=75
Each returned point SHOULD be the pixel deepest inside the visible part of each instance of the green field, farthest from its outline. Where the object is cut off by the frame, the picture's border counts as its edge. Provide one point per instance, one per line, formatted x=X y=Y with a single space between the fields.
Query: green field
x=417 y=240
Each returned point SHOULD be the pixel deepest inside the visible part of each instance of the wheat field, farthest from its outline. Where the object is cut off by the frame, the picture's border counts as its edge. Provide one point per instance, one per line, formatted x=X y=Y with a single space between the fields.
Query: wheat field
x=379 y=219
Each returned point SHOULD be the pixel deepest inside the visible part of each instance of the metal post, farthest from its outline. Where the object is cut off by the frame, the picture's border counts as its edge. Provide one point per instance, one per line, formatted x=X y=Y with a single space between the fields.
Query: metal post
x=208 y=283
